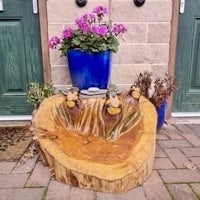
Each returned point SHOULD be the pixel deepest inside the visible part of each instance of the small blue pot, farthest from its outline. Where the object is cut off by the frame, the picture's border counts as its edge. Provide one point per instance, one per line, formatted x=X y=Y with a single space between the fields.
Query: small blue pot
x=88 y=69
x=161 y=115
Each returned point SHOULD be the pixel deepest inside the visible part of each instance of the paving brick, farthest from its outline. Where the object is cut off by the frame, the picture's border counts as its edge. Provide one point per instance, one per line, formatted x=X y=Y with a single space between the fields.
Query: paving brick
x=106 y=196
x=22 y=194
x=25 y=167
x=193 y=139
x=196 y=188
x=196 y=161
x=136 y=193
x=181 y=191
x=159 y=152
x=39 y=177
x=177 y=157
x=163 y=163
x=183 y=128
x=174 y=136
x=195 y=128
x=58 y=191
x=191 y=152
x=7 y=167
x=171 y=129
x=81 y=194
x=13 y=180
x=155 y=189
x=174 y=144
x=180 y=175
x=161 y=136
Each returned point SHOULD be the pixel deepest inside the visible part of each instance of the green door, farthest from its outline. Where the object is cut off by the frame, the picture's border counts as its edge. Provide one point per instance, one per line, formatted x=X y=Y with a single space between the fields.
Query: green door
x=187 y=69
x=20 y=55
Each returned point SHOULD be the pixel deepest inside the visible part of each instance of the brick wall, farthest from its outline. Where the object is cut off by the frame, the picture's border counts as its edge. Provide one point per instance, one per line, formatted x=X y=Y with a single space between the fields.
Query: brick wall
x=144 y=46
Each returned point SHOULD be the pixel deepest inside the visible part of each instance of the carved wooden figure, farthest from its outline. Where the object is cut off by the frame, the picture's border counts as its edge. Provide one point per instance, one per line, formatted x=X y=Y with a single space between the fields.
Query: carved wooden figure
x=104 y=144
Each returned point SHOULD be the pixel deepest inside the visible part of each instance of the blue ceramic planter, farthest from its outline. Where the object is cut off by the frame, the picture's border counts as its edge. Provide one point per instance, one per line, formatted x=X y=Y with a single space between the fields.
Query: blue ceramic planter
x=161 y=115
x=88 y=69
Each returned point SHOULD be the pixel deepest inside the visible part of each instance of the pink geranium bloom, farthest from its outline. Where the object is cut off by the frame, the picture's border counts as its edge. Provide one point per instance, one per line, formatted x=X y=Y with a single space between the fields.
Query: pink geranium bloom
x=100 y=30
x=53 y=42
x=118 y=28
x=100 y=11
x=92 y=33
x=67 y=33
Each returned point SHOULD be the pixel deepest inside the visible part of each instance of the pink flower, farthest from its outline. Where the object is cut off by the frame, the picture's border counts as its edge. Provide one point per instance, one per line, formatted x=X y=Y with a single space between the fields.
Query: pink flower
x=100 y=30
x=67 y=33
x=118 y=28
x=91 y=18
x=82 y=24
x=100 y=11
x=92 y=33
x=53 y=42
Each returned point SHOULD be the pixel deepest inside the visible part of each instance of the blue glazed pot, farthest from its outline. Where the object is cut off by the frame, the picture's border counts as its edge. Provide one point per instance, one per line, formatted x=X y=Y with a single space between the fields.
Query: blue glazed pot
x=88 y=69
x=161 y=115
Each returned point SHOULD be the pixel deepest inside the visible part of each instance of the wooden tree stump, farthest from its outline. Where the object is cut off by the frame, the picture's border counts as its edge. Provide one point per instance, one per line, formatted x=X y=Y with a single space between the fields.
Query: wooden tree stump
x=91 y=162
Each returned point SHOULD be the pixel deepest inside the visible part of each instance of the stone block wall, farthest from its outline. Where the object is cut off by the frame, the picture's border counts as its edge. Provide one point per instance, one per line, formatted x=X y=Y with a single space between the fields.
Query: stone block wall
x=144 y=47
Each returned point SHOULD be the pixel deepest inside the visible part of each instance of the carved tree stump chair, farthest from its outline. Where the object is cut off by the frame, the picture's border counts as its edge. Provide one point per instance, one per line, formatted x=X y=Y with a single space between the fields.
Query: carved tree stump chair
x=103 y=144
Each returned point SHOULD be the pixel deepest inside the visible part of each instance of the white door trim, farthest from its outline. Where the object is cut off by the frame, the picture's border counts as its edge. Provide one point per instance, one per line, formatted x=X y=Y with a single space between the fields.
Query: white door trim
x=185 y=114
x=15 y=117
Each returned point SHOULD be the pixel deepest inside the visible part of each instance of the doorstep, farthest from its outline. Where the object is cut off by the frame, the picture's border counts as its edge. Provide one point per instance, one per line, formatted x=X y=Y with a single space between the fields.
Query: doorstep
x=16 y=123
x=183 y=120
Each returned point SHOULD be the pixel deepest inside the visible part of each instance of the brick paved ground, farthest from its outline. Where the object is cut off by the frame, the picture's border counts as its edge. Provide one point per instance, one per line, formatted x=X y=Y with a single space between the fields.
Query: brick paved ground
x=176 y=174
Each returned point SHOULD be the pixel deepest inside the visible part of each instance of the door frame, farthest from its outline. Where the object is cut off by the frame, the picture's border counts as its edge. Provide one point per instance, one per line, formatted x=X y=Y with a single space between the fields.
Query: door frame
x=42 y=6
x=172 y=47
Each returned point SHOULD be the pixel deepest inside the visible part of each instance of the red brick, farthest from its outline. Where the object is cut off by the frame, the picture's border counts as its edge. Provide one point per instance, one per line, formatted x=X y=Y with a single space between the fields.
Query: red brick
x=175 y=136
x=81 y=194
x=174 y=144
x=106 y=196
x=180 y=175
x=13 y=180
x=159 y=152
x=181 y=191
x=196 y=188
x=6 y=167
x=193 y=139
x=196 y=161
x=173 y=132
x=161 y=136
x=25 y=167
x=40 y=176
x=155 y=189
x=183 y=128
x=195 y=128
x=22 y=194
x=58 y=191
x=190 y=152
x=177 y=157
x=136 y=193
x=163 y=163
